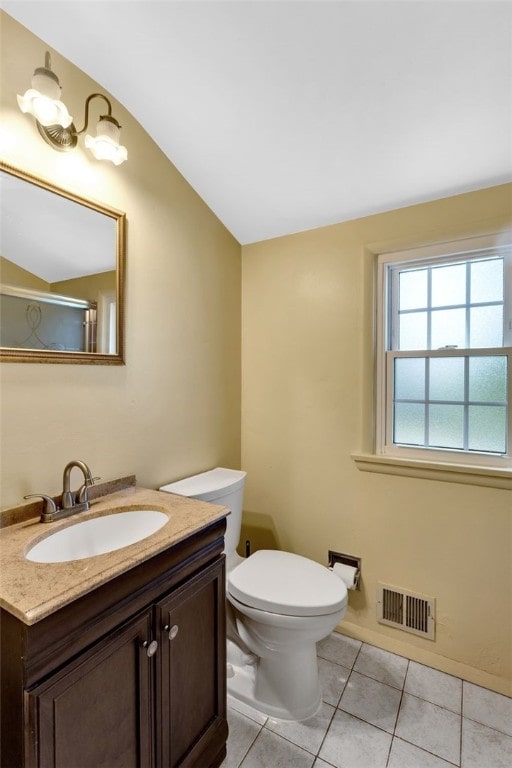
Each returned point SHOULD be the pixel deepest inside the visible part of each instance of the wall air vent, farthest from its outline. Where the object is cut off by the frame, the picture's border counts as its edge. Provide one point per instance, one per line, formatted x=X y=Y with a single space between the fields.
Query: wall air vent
x=406 y=610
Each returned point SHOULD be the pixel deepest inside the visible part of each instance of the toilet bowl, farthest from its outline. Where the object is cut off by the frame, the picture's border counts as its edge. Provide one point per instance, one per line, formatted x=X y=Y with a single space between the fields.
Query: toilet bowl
x=279 y=605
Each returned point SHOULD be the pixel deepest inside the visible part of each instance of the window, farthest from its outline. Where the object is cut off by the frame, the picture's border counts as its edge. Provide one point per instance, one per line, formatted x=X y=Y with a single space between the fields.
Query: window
x=445 y=356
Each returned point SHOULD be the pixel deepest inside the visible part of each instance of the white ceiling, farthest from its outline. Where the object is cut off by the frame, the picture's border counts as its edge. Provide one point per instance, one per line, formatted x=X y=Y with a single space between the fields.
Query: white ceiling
x=51 y=236
x=285 y=116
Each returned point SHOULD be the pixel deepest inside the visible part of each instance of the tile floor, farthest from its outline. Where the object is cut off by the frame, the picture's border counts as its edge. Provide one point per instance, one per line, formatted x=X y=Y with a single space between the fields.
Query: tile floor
x=379 y=710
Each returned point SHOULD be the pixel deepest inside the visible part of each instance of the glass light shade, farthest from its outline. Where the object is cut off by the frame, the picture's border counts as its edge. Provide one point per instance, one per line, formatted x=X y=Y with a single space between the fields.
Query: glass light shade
x=105 y=145
x=42 y=100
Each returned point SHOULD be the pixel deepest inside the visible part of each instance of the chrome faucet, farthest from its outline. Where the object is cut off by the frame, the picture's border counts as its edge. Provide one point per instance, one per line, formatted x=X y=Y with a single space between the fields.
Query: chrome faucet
x=71 y=503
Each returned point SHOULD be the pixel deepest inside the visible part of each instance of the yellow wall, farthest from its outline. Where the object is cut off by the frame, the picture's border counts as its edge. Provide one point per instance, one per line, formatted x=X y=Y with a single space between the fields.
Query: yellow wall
x=307 y=392
x=174 y=408
x=88 y=287
x=12 y=274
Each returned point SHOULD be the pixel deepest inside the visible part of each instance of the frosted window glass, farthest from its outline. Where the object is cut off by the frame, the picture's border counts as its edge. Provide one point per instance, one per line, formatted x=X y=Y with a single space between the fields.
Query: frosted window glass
x=409 y=423
x=413 y=289
x=413 y=331
x=488 y=379
x=449 y=285
x=486 y=325
x=487 y=281
x=446 y=378
x=446 y=426
x=410 y=378
x=487 y=428
x=448 y=328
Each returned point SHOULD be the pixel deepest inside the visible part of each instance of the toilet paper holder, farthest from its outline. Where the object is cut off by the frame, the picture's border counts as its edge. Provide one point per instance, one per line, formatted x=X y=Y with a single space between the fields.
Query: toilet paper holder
x=354 y=562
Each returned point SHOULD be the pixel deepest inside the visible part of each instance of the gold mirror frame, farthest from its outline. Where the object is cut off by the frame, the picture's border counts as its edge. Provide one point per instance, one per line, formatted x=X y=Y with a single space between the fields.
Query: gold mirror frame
x=15 y=355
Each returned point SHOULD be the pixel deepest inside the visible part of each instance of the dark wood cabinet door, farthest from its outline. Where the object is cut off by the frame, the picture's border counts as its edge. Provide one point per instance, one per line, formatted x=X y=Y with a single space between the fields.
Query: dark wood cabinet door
x=96 y=712
x=191 y=672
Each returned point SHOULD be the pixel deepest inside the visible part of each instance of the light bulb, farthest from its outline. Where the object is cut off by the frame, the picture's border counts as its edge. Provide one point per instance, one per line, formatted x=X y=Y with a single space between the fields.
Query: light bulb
x=42 y=100
x=105 y=145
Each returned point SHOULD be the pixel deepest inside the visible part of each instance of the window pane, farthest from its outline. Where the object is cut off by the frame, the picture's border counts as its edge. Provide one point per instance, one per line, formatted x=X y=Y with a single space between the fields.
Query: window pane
x=409 y=423
x=486 y=326
x=410 y=378
x=413 y=289
x=487 y=428
x=446 y=426
x=488 y=379
x=448 y=328
x=487 y=280
x=446 y=378
x=413 y=331
x=449 y=285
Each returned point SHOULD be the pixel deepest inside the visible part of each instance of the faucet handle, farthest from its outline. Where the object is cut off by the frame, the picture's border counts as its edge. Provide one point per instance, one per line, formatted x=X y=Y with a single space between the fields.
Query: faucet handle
x=50 y=507
x=82 y=495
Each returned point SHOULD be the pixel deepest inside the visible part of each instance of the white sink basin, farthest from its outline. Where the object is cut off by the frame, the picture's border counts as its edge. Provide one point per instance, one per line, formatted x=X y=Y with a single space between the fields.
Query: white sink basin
x=97 y=536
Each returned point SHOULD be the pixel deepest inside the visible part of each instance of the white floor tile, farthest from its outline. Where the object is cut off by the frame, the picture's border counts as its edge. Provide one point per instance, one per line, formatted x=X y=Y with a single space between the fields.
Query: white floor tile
x=271 y=751
x=434 y=686
x=340 y=649
x=374 y=702
x=404 y=755
x=307 y=734
x=427 y=732
x=487 y=707
x=430 y=727
x=333 y=678
x=245 y=709
x=383 y=666
x=484 y=747
x=350 y=743
x=242 y=733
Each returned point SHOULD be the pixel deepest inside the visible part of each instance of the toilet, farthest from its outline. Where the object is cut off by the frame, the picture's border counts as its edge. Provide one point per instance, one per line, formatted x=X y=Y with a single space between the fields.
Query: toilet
x=279 y=605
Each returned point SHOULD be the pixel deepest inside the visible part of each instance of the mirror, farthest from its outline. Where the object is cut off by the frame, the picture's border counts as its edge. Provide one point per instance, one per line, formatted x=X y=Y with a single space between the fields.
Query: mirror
x=61 y=274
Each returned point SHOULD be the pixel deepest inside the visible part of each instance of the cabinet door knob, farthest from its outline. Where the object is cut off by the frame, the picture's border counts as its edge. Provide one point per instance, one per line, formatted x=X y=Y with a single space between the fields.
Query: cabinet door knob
x=150 y=648
x=171 y=631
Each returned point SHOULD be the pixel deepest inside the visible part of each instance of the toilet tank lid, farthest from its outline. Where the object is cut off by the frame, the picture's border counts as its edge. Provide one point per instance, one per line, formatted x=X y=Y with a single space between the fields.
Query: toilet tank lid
x=208 y=486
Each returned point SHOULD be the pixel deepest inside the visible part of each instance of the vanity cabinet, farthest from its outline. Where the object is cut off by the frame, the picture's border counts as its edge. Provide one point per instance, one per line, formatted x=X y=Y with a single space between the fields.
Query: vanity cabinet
x=130 y=675
x=96 y=710
x=188 y=669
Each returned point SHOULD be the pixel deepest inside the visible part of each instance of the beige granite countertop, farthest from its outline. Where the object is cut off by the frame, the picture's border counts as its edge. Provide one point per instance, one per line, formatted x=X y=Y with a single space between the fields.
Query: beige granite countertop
x=32 y=591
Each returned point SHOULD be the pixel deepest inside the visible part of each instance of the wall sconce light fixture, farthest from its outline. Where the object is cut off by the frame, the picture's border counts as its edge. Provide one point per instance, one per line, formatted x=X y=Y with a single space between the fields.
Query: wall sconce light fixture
x=55 y=124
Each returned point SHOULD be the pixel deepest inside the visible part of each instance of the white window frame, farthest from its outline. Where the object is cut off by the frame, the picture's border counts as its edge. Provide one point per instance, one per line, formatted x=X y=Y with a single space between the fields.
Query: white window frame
x=385 y=356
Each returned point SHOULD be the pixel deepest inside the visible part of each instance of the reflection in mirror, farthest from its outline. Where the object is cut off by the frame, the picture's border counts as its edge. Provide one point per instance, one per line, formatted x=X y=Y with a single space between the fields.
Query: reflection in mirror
x=61 y=274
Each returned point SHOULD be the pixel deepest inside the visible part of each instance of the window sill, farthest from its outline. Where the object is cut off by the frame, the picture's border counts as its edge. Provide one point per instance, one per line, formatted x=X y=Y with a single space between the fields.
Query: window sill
x=433 y=470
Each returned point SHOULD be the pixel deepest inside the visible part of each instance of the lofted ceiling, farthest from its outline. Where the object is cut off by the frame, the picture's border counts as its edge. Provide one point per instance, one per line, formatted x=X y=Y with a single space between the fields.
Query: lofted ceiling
x=285 y=115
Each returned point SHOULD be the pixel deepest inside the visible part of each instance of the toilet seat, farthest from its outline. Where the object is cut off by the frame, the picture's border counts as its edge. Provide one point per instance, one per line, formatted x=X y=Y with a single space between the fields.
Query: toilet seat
x=288 y=584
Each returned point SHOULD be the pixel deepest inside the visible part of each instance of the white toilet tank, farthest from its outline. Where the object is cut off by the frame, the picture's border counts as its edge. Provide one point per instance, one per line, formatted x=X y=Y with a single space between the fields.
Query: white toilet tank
x=220 y=486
